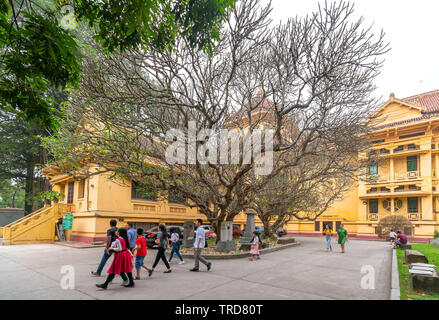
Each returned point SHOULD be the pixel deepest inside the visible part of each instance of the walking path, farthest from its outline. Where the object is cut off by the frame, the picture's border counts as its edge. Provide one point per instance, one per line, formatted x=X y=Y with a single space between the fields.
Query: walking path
x=303 y=272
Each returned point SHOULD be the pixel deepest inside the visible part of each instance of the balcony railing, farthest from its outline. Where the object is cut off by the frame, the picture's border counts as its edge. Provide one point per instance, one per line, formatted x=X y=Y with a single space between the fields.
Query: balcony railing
x=406 y=175
x=414 y=216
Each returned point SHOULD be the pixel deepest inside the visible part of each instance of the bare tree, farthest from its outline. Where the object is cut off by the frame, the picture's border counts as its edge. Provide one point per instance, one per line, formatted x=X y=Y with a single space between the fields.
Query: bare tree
x=309 y=80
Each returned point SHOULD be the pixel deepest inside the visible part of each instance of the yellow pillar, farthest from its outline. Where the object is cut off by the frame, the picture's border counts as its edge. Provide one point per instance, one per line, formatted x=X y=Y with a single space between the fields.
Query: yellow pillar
x=392 y=206
x=436 y=164
x=391 y=177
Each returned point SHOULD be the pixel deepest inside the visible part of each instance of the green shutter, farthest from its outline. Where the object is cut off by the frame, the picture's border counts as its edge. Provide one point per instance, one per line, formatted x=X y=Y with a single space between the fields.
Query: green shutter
x=413 y=205
x=373 y=206
x=412 y=163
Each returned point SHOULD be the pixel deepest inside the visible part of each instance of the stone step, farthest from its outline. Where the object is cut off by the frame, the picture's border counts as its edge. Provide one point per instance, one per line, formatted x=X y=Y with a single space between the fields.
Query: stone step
x=421 y=273
x=422 y=265
x=423 y=268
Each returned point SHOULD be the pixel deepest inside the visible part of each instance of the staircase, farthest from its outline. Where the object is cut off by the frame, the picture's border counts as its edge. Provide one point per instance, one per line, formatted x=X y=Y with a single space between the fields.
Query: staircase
x=37 y=227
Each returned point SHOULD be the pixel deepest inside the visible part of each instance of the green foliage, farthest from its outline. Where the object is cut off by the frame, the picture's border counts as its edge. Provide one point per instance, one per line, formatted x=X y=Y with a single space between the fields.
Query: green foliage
x=122 y=24
x=436 y=234
x=51 y=195
x=37 y=54
x=407 y=291
x=11 y=194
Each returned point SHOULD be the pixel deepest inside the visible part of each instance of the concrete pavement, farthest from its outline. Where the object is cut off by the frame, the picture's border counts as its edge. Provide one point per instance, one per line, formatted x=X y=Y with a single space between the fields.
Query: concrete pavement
x=303 y=272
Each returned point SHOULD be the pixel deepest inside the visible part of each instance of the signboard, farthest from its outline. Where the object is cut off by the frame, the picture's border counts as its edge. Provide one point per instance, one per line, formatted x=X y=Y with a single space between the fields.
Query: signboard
x=67 y=221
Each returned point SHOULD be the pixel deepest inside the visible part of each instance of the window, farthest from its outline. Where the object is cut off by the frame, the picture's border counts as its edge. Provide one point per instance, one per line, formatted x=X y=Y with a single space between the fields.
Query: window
x=412 y=135
x=433 y=146
x=377 y=141
x=413 y=204
x=412 y=163
x=81 y=189
x=70 y=192
x=373 y=170
x=399 y=148
x=373 y=206
x=384 y=151
x=399 y=188
x=413 y=187
x=317 y=226
x=143 y=192
x=174 y=196
x=373 y=189
x=411 y=146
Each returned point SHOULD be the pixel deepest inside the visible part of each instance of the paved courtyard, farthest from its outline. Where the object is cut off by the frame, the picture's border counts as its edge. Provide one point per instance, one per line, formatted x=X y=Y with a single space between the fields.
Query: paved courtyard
x=303 y=272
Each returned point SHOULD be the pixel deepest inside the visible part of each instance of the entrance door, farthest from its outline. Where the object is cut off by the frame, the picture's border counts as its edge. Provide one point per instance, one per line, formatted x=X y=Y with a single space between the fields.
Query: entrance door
x=70 y=192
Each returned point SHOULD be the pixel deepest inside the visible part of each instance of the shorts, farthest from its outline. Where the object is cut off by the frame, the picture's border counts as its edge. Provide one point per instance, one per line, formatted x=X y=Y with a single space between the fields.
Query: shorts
x=139 y=262
x=392 y=238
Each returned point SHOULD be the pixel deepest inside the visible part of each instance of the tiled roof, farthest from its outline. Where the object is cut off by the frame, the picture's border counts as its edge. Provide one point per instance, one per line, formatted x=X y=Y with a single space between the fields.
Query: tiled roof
x=428 y=101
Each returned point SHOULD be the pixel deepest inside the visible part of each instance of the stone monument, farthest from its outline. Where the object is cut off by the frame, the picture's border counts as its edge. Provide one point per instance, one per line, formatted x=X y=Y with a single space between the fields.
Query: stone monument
x=249 y=228
x=188 y=234
x=226 y=244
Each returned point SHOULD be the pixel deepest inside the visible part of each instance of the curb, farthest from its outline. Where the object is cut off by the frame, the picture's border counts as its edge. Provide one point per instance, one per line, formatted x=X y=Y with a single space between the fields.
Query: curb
x=395 y=293
x=241 y=255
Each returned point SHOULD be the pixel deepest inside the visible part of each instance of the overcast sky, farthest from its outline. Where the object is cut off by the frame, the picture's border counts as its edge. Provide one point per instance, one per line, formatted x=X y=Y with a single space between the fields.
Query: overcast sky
x=412 y=29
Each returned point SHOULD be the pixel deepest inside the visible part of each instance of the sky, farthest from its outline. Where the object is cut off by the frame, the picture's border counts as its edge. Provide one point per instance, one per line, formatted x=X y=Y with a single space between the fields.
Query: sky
x=412 y=30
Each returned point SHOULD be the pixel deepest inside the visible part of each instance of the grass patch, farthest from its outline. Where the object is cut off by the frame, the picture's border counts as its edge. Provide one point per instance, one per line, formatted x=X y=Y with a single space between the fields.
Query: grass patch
x=405 y=282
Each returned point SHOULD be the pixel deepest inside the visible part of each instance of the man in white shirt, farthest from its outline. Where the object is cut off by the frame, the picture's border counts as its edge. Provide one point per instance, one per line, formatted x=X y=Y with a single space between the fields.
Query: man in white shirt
x=200 y=241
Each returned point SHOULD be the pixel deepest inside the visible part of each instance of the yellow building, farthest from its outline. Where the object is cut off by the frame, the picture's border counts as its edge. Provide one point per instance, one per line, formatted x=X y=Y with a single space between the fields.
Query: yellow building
x=405 y=138
x=404 y=182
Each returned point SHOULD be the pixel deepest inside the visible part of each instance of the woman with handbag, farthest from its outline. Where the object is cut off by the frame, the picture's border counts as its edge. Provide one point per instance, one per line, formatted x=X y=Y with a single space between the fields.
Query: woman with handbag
x=327 y=231
x=162 y=241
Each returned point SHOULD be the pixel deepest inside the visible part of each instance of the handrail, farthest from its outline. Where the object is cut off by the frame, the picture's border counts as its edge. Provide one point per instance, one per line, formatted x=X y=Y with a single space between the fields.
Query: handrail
x=26 y=216
x=29 y=217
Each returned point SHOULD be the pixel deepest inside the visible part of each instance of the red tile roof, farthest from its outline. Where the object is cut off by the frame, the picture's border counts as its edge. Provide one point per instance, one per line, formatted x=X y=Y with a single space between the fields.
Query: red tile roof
x=429 y=101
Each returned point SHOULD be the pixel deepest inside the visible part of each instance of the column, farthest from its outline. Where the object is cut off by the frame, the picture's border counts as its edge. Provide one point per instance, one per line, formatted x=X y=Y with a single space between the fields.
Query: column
x=391 y=176
x=392 y=206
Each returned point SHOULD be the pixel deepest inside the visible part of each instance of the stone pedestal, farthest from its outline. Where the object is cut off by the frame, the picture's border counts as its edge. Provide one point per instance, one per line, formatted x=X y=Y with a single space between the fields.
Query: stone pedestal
x=226 y=244
x=249 y=227
x=413 y=256
x=188 y=234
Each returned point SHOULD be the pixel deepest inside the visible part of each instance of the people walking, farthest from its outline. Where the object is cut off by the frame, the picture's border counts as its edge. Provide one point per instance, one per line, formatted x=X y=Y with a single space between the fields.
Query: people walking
x=200 y=240
x=254 y=250
x=162 y=241
x=342 y=234
x=132 y=236
x=122 y=264
x=111 y=237
x=140 y=252
x=175 y=238
x=327 y=232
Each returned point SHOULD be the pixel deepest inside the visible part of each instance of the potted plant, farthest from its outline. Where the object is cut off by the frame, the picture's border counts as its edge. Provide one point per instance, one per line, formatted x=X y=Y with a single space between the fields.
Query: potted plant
x=49 y=196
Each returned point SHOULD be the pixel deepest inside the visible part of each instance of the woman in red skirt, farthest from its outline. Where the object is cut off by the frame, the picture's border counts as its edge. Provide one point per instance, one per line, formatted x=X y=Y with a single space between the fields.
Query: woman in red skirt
x=122 y=262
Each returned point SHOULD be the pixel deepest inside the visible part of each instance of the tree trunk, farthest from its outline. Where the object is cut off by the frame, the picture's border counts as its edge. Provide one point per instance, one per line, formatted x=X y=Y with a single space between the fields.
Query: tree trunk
x=29 y=188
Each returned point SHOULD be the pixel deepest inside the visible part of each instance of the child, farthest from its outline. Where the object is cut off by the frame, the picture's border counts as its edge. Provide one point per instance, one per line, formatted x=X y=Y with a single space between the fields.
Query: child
x=175 y=238
x=254 y=251
x=122 y=261
x=140 y=252
x=392 y=237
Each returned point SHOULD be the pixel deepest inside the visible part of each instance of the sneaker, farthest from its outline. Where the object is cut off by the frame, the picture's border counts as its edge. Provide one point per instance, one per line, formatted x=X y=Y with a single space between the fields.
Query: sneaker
x=130 y=285
x=137 y=278
x=124 y=283
x=181 y=262
x=94 y=273
x=194 y=269
x=168 y=271
x=209 y=265
x=251 y=259
x=150 y=272
x=258 y=258
x=101 y=286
